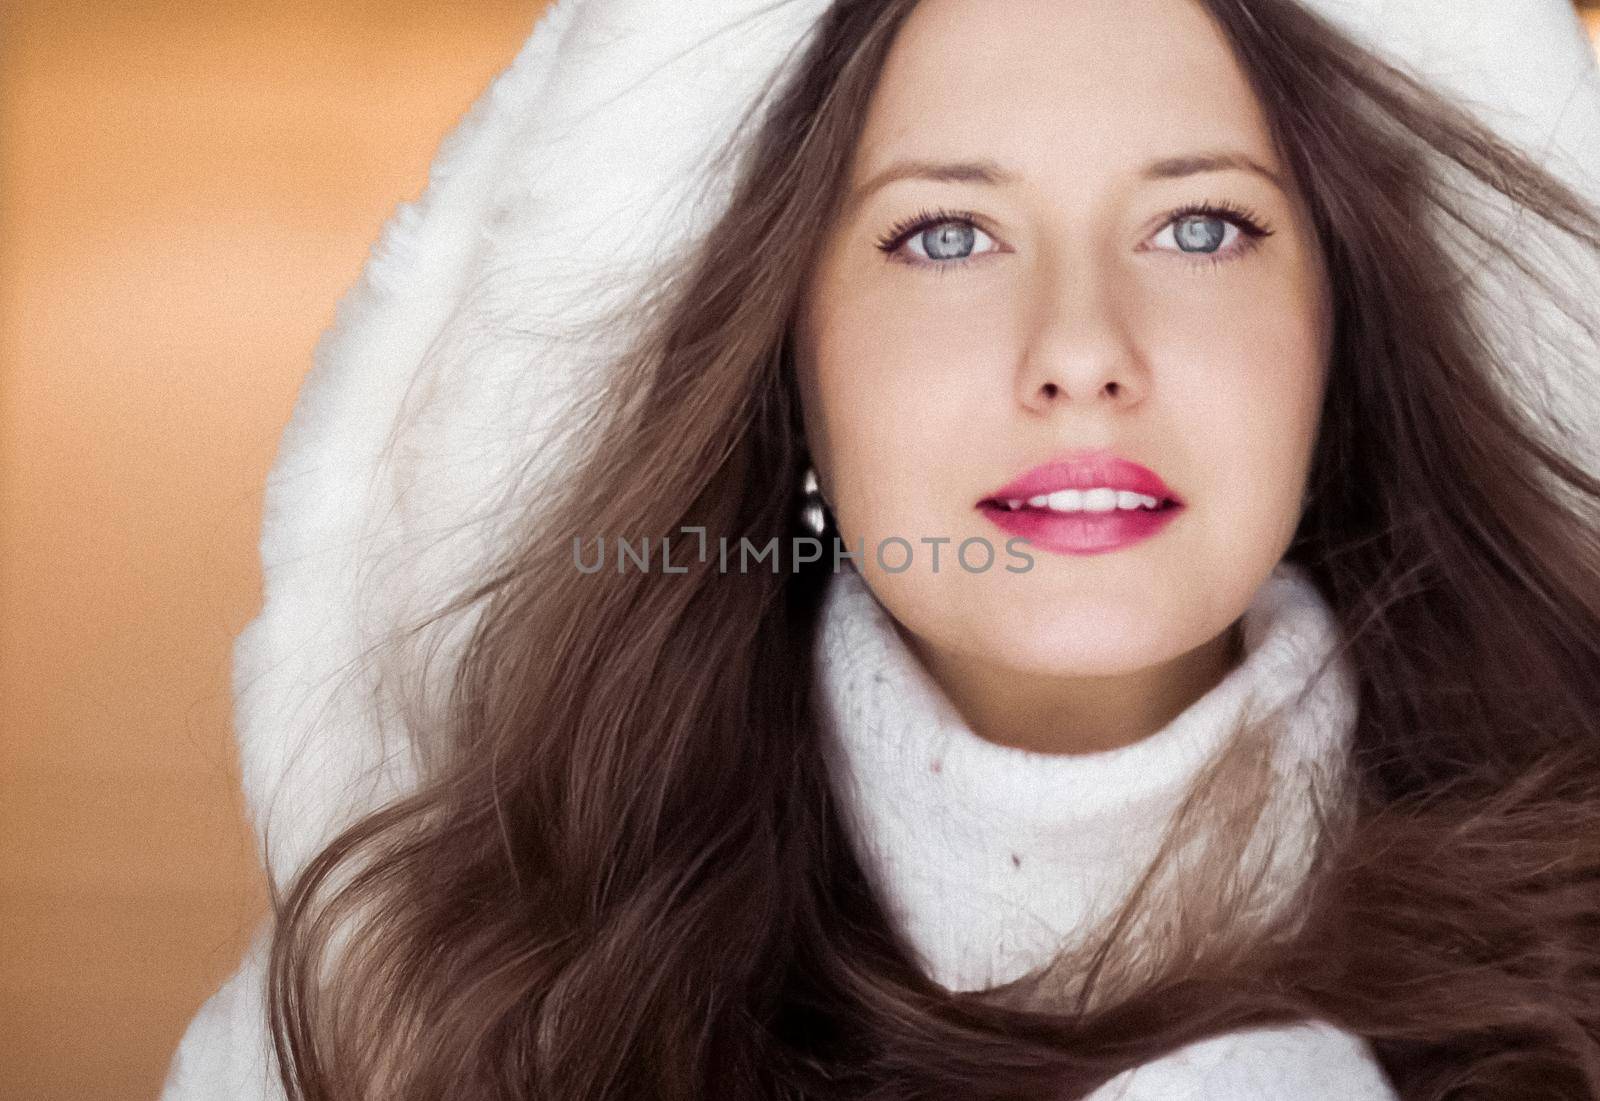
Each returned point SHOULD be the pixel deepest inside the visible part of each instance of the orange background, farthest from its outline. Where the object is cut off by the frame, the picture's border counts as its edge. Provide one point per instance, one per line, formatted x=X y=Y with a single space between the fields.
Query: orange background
x=185 y=190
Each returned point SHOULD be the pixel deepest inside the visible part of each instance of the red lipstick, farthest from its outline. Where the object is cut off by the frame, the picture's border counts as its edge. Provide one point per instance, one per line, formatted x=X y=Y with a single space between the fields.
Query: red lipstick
x=1098 y=502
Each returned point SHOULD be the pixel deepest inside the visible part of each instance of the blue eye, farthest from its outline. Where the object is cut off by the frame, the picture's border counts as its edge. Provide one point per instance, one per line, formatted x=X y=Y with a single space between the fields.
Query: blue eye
x=1211 y=232
x=1200 y=234
x=937 y=238
x=946 y=239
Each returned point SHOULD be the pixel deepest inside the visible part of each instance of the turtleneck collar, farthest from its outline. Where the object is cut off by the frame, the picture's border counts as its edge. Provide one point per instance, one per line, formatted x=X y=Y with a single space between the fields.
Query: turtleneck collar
x=989 y=857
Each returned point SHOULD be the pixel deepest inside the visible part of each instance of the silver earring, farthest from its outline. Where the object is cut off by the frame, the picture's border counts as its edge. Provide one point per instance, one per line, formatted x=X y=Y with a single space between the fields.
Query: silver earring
x=812 y=517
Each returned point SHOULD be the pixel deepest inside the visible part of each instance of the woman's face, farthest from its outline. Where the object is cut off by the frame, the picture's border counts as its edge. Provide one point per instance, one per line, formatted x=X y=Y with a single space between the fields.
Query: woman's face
x=1010 y=283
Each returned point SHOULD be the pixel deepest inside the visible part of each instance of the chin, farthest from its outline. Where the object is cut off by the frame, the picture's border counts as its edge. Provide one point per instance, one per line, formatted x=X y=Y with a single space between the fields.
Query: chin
x=1097 y=634
x=1075 y=650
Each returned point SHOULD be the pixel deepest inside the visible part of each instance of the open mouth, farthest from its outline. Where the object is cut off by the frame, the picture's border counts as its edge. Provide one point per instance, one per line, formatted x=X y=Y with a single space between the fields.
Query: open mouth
x=1071 y=502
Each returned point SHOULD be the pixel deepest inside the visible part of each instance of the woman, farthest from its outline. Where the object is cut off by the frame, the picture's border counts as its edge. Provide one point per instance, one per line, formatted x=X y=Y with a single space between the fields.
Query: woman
x=1275 y=778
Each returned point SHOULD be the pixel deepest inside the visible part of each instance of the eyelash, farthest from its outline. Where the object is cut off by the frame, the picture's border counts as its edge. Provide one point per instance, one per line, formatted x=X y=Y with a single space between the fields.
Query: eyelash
x=1251 y=229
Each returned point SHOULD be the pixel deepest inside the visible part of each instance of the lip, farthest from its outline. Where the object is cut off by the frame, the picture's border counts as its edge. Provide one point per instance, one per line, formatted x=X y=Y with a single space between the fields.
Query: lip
x=1083 y=532
x=1085 y=470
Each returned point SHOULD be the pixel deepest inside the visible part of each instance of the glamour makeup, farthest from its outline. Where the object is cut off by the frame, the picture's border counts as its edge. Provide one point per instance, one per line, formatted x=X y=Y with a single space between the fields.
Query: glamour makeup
x=1084 y=503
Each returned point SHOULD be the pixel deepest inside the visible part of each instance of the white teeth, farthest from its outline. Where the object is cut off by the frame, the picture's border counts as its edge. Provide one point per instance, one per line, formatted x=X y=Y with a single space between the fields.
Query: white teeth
x=1099 y=499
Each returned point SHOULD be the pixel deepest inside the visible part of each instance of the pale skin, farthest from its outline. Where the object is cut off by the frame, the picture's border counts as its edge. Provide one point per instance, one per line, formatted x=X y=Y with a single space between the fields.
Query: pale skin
x=1063 y=309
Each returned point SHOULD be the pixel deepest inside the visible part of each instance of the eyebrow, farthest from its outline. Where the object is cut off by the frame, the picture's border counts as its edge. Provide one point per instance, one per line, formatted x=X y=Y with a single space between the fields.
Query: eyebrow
x=990 y=173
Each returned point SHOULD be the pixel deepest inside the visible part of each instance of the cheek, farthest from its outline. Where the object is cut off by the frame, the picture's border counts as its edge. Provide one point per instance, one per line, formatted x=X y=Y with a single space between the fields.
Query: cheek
x=1243 y=373
x=899 y=379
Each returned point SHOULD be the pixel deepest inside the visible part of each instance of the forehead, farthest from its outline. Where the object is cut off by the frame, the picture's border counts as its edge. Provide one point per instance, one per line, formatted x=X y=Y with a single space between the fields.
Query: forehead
x=1061 y=88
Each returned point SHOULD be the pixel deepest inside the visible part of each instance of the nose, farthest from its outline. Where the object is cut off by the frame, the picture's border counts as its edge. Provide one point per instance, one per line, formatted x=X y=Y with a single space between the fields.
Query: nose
x=1079 y=348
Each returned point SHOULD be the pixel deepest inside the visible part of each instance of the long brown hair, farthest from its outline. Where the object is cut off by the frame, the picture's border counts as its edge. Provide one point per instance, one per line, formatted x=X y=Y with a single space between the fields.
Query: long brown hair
x=623 y=874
